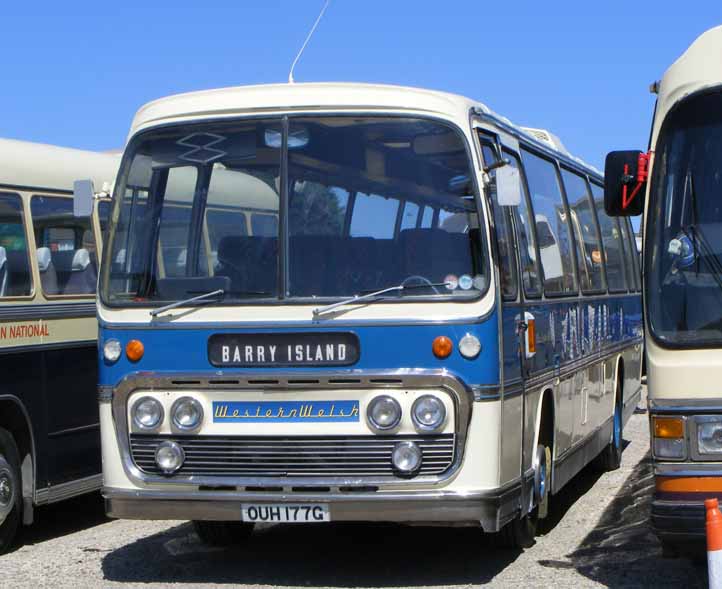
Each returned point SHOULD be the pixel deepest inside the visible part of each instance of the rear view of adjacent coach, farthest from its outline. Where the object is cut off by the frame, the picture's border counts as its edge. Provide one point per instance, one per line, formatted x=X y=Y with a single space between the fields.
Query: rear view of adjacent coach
x=336 y=302
x=49 y=438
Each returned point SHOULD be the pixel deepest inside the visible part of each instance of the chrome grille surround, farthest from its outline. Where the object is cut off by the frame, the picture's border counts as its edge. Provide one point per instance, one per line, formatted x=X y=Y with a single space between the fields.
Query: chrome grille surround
x=282 y=456
x=186 y=383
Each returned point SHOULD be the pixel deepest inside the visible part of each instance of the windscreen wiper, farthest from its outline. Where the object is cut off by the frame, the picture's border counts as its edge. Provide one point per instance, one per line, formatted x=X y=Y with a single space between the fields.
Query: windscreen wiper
x=373 y=296
x=184 y=303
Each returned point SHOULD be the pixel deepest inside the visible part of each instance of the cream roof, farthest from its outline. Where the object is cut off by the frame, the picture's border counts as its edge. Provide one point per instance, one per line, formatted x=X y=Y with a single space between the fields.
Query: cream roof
x=37 y=165
x=699 y=67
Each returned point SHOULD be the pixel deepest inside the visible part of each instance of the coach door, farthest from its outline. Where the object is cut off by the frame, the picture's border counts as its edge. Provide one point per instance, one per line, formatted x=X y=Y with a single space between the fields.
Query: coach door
x=516 y=261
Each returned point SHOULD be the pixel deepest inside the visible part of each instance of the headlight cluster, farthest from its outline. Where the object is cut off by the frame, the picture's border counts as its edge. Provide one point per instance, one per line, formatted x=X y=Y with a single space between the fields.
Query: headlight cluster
x=698 y=437
x=428 y=413
x=186 y=414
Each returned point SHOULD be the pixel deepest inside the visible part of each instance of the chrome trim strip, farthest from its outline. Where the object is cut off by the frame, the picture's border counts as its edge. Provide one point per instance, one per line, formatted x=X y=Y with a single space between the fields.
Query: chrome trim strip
x=105 y=393
x=310 y=323
x=486 y=392
x=47 y=311
x=55 y=493
x=352 y=379
x=685 y=405
x=49 y=346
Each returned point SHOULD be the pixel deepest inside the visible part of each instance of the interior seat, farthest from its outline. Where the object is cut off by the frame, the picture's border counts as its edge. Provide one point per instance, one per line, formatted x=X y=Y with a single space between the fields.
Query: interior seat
x=48 y=276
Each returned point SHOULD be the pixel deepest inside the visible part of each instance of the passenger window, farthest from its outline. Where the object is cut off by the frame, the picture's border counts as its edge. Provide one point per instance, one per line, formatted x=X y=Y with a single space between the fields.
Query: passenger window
x=632 y=259
x=264 y=225
x=15 y=277
x=552 y=225
x=586 y=232
x=317 y=209
x=66 y=252
x=410 y=216
x=103 y=216
x=504 y=235
x=175 y=224
x=374 y=216
x=428 y=218
x=222 y=223
x=525 y=239
x=612 y=242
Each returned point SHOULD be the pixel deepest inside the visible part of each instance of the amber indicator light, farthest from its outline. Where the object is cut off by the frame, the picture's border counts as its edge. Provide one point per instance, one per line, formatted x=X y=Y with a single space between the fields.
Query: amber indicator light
x=134 y=349
x=442 y=347
x=531 y=335
x=668 y=427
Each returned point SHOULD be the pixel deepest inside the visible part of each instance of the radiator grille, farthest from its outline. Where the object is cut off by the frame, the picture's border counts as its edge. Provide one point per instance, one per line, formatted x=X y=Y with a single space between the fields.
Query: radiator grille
x=293 y=456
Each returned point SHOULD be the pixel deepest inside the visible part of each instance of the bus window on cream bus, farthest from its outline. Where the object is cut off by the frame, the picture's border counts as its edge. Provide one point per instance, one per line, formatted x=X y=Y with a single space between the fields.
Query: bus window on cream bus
x=15 y=277
x=67 y=254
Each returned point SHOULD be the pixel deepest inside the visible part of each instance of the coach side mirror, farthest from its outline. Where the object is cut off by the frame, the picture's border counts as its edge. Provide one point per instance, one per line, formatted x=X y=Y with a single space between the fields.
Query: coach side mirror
x=508 y=186
x=625 y=183
x=83 y=193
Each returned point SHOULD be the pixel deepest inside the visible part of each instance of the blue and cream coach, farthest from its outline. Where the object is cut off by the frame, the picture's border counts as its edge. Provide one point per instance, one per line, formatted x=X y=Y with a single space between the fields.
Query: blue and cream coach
x=357 y=302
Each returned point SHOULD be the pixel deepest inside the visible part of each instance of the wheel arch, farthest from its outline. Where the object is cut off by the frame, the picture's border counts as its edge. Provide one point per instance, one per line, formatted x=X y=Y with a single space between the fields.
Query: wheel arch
x=14 y=417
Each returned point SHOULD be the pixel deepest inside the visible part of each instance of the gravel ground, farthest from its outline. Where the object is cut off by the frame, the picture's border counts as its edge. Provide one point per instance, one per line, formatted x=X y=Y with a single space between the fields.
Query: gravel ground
x=600 y=537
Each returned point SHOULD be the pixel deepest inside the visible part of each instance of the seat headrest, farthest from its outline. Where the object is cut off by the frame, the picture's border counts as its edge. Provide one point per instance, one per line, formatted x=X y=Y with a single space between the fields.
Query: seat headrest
x=120 y=257
x=44 y=258
x=81 y=260
x=182 y=256
x=3 y=256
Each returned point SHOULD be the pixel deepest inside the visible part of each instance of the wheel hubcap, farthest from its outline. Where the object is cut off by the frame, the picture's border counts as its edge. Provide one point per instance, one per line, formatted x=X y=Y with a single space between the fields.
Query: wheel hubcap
x=6 y=495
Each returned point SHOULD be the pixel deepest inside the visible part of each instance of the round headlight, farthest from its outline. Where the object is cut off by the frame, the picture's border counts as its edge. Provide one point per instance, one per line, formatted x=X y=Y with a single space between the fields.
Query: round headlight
x=469 y=346
x=147 y=413
x=112 y=350
x=428 y=413
x=187 y=413
x=169 y=456
x=406 y=457
x=383 y=413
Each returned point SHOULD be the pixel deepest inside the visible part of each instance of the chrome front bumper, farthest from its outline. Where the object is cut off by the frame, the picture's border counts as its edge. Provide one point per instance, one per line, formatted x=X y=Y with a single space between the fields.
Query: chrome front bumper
x=490 y=509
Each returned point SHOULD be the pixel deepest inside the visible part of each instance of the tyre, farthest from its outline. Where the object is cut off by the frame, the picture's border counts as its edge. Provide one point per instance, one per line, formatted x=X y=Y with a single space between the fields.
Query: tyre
x=10 y=491
x=611 y=457
x=520 y=533
x=223 y=533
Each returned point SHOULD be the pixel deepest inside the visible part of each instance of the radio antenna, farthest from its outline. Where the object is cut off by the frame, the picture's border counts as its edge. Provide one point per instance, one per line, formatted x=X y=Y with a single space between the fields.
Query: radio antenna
x=308 y=38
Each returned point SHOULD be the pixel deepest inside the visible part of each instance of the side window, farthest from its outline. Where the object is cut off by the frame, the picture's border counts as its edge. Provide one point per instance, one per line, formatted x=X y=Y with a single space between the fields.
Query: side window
x=175 y=224
x=15 y=276
x=525 y=239
x=632 y=259
x=612 y=242
x=504 y=232
x=410 y=215
x=66 y=252
x=263 y=225
x=104 y=207
x=374 y=216
x=222 y=223
x=551 y=221
x=586 y=232
x=428 y=218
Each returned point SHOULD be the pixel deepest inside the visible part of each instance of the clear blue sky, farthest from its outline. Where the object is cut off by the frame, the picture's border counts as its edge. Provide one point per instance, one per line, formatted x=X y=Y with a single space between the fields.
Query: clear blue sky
x=73 y=73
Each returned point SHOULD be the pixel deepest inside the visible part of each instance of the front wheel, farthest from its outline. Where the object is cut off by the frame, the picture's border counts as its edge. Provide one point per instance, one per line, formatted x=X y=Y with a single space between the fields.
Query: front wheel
x=10 y=494
x=223 y=533
x=520 y=533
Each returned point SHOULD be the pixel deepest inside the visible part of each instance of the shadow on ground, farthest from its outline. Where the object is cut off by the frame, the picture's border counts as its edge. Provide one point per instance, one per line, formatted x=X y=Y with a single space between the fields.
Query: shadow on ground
x=341 y=555
x=622 y=549
x=64 y=518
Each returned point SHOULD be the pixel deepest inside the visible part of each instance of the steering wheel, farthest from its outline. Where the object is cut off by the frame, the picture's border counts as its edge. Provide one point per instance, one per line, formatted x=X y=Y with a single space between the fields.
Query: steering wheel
x=421 y=279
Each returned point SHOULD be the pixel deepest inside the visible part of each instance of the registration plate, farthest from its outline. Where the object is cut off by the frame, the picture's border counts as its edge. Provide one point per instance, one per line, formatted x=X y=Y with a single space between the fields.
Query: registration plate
x=296 y=513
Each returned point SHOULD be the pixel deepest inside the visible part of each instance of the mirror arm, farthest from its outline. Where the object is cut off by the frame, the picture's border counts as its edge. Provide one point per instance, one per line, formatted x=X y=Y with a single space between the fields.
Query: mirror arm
x=497 y=164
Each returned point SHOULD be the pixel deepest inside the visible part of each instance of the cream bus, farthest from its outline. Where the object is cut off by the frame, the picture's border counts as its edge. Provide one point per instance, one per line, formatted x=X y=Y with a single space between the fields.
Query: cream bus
x=344 y=302
x=682 y=283
x=49 y=432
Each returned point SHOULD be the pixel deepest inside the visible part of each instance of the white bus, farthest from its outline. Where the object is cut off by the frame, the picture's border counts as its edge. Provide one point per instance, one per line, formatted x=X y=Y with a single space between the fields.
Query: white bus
x=378 y=310
x=682 y=229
